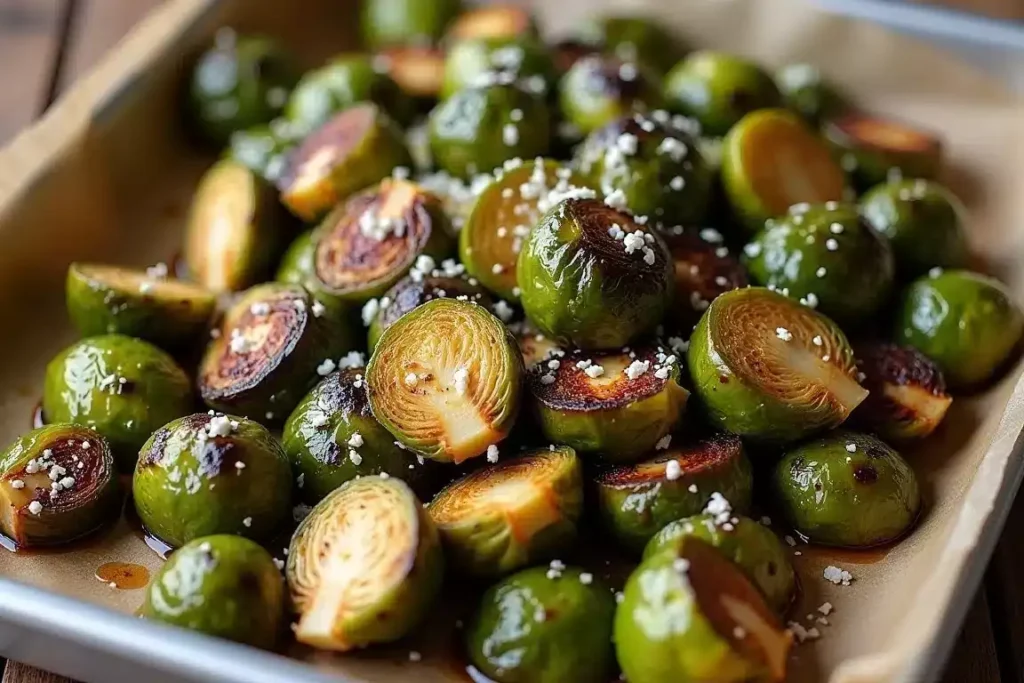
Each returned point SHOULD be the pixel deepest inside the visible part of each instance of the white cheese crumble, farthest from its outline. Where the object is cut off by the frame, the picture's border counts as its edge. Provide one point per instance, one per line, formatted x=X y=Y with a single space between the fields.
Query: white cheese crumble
x=673 y=470
x=586 y=578
x=637 y=368
x=783 y=334
x=594 y=371
x=510 y=134
x=239 y=343
x=851 y=448
x=35 y=507
x=318 y=309
x=352 y=359
x=356 y=440
x=817 y=340
x=355 y=457
x=411 y=379
x=663 y=443
x=370 y=310
x=492 y=453
x=461 y=380
x=831 y=244
x=326 y=367
x=247 y=521
x=17 y=483
x=503 y=310
x=837 y=576
x=260 y=308
x=220 y=425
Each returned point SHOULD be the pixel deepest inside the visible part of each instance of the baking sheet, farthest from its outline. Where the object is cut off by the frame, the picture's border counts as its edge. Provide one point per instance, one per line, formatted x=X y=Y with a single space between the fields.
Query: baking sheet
x=106 y=175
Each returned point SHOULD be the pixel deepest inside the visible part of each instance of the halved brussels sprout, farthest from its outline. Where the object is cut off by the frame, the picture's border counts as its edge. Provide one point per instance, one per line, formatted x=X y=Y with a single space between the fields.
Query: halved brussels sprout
x=771 y=161
x=771 y=369
x=477 y=129
x=234 y=230
x=599 y=89
x=418 y=71
x=827 y=257
x=656 y=168
x=273 y=342
x=806 y=92
x=387 y=23
x=691 y=615
x=112 y=300
x=121 y=387
x=57 y=483
x=508 y=515
x=364 y=567
x=617 y=404
x=923 y=221
x=636 y=501
x=967 y=323
x=907 y=398
x=224 y=586
x=354 y=149
x=704 y=269
x=332 y=437
x=521 y=57
x=212 y=474
x=592 y=277
x=634 y=39
x=847 y=489
x=752 y=546
x=263 y=149
x=502 y=217
x=544 y=625
x=445 y=380
x=492 y=21
x=296 y=265
x=875 y=149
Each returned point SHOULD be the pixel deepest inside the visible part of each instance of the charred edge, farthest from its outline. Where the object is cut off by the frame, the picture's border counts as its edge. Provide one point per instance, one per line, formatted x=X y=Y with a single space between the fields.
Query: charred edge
x=90 y=478
x=344 y=397
x=714 y=452
x=594 y=219
x=408 y=294
x=573 y=389
x=862 y=131
x=885 y=363
x=154 y=454
x=343 y=133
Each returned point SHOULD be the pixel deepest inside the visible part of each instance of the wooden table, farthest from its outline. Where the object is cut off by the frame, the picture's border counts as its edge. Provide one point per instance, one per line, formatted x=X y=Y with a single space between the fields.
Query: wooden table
x=46 y=44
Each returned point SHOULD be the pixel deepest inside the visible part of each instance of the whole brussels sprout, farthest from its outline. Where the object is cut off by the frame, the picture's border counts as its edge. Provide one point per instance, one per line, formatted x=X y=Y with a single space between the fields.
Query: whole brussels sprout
x=874 y=150
x=224 y=586
x=704 y=269
x=966 y=322
x=499 y=20
x=388 y=23
x=806 y=92
x=847 y=489
x=634 y=39
x=599 y=89
x=297 y=264
x=521 y=57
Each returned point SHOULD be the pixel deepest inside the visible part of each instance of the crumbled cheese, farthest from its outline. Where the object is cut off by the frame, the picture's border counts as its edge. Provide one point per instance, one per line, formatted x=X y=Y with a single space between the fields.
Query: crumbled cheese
x=461 y=380
x=503 y=310
x=633 y=241
x=247 y=521
x=677 y=183
x=817 y=340
x=825 y=608
x=510 y=134
x=326 y=367
x=67 y=482
x=935 y=272
x=783 y=334
x=260 y=308
x=663 y=443
x=637 y=368
x=355 y=457
x=831 y=244
x=220 y=425
x=158 y=271
x=356 y=440
x=17 y=483
x=492 y=453
x=370 y=310
x=851 y=448
x=594 y=371
x=415 y=656
x=692 y=488
x=497 y=269
x=627 y=144
x=673 y=470
x=318 y=309
x=352 y=359
x=719 y=507
x=837 y=576
x=681 y=565
x=411 y=379
x=586 y=578
x=240 y=343
x=836 y=228
x=35 y=507
x=673 y=148
x=616 y=199
x=86 y=445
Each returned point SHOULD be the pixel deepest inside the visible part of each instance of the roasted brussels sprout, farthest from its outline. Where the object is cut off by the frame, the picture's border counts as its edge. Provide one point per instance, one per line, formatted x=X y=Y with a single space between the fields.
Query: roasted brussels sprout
x=636 y=501
x=263 y=149
x=296 y=265
x=389 y=23
x=122 y=387
x=923 y=221
x=874 y=149
x=477 y=129
x=112 y=300
x=618 y=404
x=418 y=71
x=492 y=21
x=212 y=474
x=691 y=615
x=225 y=586
x=273 y=343
x=847 y=489
x=718 y=89
x=544 y=625
x=57 y=483
x=770 y=369
x=599 y=89
x=364 y=567
x=354 y=149
x=966 y=322
x=771 y=160
x=806 y=92
x=907 y=398
x=656 y=168
x=472 y=61
x=241 y=81
x=826 y=256
x=234 y=229
x=752 y=546
x=704 y=269
x=507 y=515
x=445 y=380
x=634 y=39
x=592 y=277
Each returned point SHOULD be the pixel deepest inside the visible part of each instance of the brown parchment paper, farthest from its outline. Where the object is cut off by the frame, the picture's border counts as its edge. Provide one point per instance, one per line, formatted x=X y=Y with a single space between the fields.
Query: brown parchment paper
x=107 y=176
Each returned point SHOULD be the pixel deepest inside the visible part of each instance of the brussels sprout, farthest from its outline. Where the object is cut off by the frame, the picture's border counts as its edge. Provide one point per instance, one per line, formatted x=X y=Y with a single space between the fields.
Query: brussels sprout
x=212 y=474
x=122 y=387
x=296 y=265
x=477 y=129
x=406 y=22
x=704 y=269
x=235 y=227
x=599 y=89
x=568 y=51
x=414 y=291
x=752 y=546
x=874 y=149
x=718 y=89
x=924 y=222
x=364 y=567
x=368 y=243
x=241 y=81
x=847 y=489
x=508 y=515
x=492 y=21
x=418 y=71
x=636 y=501
x=522 y=57
x=966 y=322
x=332 y=437
x=689 y=614
x=806 y=92
x=503 y=215
x=907 y=398
x=827 y=257
x=356 y=148
x=771 y=160
x=445 y=380
x=544 y=625
x=263 y=149
x=658 y=169
x=592 y=277
x=57 y=483
x=344 y=81
x=224 y=586
x=770 y=369
x=634 y=39
x=108 y=299
x=618 y=403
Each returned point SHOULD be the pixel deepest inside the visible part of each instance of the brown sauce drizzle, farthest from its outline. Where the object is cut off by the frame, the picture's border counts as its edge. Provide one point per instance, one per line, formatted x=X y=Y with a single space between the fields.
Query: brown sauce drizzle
x=123 y=575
